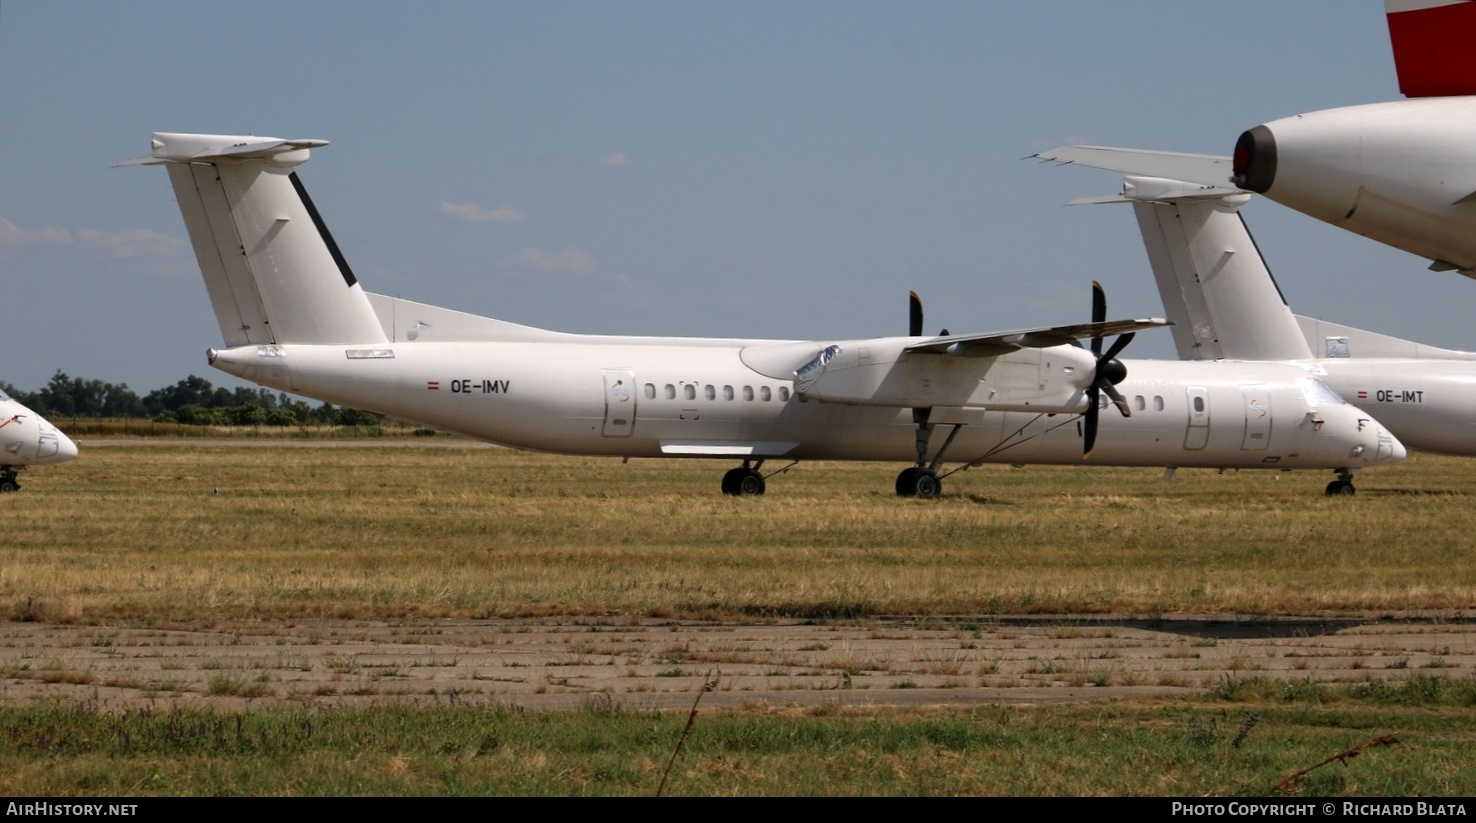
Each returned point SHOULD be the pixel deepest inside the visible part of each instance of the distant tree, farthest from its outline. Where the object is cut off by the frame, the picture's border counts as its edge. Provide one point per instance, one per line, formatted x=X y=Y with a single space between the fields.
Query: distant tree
x=354 y=417
x=245 y=414
x=191 y=391
x=66 y=396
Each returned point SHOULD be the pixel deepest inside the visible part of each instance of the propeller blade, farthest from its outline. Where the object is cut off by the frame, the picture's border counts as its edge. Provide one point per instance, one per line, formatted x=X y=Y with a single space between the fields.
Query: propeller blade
x=1099 y=313
x=1118 y=345
x=1118 y=400
x=915 y=315
x=1090 y=432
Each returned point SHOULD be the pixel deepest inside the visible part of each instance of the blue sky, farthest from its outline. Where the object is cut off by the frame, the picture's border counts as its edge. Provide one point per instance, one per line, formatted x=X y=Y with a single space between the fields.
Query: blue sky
x=761 y=169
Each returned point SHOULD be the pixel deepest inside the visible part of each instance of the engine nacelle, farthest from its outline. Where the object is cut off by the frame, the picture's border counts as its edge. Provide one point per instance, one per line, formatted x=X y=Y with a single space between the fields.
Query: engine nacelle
x=879 y=373
x=1402 y=173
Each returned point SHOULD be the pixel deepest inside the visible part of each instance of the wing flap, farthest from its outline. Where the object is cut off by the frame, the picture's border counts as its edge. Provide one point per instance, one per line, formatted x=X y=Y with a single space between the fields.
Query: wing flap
x=725 y=448
x=995 y=343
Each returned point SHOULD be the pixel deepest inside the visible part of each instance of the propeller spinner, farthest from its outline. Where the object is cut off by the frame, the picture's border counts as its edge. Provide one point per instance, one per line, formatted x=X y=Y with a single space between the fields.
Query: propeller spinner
x=1108 y=373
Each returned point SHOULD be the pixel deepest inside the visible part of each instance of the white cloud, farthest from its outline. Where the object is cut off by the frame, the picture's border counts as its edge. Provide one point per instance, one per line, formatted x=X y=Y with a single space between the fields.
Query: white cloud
x=570 y=260
x=472 y=213
x=130 y=244
x=615 y=158
x=15 y=237
x=144 y=247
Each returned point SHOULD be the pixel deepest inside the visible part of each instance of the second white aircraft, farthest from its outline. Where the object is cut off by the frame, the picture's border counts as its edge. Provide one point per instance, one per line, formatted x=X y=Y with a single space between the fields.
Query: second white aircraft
x=295 y=318
x=27 y=439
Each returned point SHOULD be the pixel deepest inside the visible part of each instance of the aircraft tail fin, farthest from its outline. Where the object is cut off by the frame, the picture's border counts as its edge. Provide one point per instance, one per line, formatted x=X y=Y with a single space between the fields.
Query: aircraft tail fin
x=273 y=271
x=1432 y=46
x=1215 y=285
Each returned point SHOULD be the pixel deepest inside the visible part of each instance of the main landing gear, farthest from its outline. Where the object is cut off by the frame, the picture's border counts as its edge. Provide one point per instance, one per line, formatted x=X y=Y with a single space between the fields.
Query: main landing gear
x=918 y=482
x=745 y=480
x=7 y=481
x=1343 y=485
x=922 y=479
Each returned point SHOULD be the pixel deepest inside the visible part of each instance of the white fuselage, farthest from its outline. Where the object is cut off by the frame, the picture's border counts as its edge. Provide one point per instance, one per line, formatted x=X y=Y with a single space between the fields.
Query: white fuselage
x=1402 y=172
x=653 y=399
x=27 y=439
x=1429 y=404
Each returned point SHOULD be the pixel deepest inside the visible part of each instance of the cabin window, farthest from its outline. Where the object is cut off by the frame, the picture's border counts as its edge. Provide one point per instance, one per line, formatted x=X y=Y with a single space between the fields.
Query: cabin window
x=1139 y=403
x=1199 y=404
x=764 y=393
x=709 y=392
x=783 y=394
x=1158 y=402
x=689 y=391
x=670 y=392
x=727 y=392
x=650 y=391
x=748 y=392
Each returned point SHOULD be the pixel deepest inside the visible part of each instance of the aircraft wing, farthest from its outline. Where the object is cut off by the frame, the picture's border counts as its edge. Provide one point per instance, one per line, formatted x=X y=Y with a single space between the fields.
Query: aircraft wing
x=1204 y=169
x=995 y=343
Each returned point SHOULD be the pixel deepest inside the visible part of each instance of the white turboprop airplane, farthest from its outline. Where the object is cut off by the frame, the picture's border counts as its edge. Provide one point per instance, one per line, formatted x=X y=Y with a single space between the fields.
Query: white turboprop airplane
x=26 y=439
x=1225 y=304
x=1401 y=172
x=295 y=318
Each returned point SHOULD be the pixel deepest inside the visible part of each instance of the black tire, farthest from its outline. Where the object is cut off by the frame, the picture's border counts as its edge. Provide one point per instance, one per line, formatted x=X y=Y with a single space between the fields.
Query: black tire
x=8 y=485
x=750 y=482
x=731 y=480
x=907 y=483
x=1340 y=487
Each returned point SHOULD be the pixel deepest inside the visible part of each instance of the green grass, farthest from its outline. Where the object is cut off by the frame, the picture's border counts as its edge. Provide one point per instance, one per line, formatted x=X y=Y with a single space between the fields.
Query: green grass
x=1199 y=747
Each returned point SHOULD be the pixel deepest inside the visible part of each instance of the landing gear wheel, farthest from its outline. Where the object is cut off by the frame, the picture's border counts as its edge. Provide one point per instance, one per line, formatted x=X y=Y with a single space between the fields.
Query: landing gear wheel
x=915 y=482
x=1341 y=487
x=8 y=485
x=743 y=482
x=927 y=485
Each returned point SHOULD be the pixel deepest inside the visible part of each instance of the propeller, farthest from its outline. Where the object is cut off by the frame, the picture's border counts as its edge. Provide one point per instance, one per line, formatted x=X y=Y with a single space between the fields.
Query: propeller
x=1108 y=373
x=915 y=316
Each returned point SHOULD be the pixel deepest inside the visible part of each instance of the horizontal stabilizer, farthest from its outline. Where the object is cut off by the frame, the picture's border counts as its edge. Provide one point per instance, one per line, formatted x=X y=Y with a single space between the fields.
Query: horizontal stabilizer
x=1203 y=169
x=169 y=147
x=994 y=343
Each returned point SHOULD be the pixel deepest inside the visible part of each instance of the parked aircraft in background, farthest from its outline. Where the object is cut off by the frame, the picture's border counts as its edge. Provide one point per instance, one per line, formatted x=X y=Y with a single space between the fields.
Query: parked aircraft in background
x=1225 y=304
x=1401 y=172
x=26 y=439
x=295 y=318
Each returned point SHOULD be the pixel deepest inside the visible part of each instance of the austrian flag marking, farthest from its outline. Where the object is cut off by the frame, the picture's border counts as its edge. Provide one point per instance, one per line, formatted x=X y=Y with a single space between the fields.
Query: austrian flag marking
x=432 y=385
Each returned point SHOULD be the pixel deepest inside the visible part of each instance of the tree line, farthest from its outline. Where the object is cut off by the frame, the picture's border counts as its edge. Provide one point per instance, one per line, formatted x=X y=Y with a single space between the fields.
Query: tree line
x=192 y=401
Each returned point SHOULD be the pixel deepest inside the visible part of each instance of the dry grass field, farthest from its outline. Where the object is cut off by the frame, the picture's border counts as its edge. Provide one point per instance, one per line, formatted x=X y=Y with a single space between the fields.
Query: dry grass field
x=203 y=532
